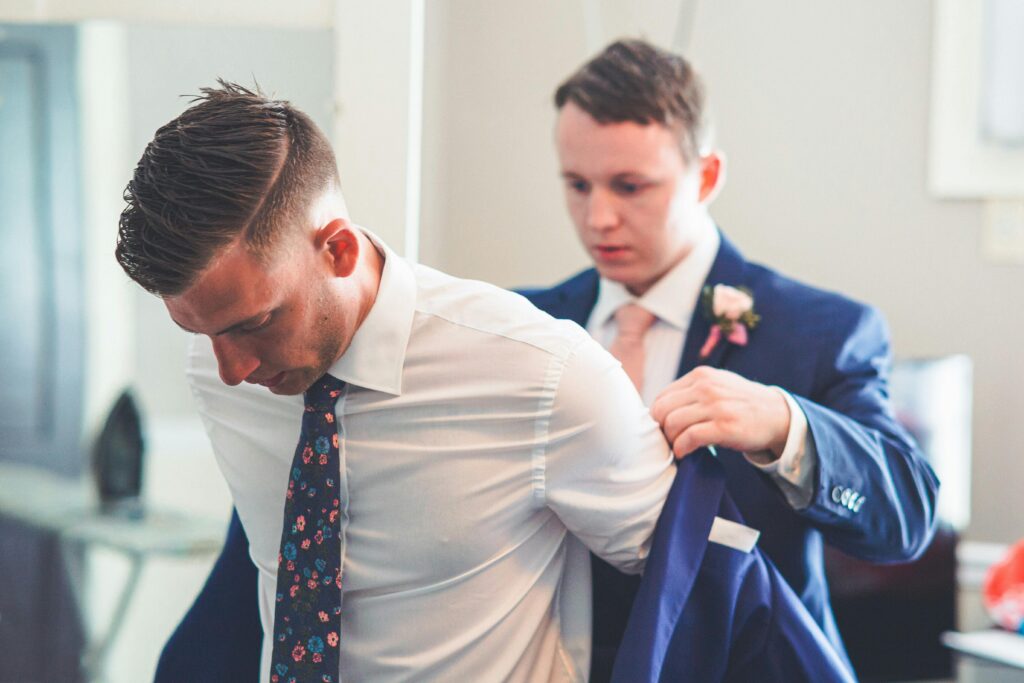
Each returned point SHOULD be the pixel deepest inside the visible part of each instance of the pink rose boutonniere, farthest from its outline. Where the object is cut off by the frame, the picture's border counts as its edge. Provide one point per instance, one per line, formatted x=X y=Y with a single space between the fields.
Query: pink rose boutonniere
x=731 y=312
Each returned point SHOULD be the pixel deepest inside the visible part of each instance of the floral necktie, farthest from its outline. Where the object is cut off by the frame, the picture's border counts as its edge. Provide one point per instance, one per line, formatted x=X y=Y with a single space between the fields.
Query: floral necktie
x=307 y=615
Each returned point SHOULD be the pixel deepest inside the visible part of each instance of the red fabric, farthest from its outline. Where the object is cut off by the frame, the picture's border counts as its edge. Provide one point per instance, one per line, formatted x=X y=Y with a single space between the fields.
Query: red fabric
x=1004 y=590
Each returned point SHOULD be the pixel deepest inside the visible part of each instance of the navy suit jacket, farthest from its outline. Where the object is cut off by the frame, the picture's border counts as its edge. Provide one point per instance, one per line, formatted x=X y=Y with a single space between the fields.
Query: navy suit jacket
x=708 y=612
x=874 y=493
x=831 y=353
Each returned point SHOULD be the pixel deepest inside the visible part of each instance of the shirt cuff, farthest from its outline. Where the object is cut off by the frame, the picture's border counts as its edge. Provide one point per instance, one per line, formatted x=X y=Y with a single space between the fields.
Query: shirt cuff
x=792 y=471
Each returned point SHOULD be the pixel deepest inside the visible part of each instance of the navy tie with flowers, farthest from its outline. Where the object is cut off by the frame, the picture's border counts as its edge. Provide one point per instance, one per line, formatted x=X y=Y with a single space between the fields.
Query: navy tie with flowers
x=307 y=615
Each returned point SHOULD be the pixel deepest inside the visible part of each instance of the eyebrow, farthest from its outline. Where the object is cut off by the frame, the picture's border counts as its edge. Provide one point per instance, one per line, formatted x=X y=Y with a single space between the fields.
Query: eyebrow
x=621 y=174
x=231 y=328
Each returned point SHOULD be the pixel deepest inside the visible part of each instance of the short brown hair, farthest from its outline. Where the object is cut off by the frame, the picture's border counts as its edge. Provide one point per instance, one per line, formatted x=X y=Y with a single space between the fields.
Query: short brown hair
x=632 y=80
x=234 y=163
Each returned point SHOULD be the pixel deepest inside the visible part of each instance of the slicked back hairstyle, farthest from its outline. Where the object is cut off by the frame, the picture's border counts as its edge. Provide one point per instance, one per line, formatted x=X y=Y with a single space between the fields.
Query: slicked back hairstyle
x=632 y=80
x=234 y=164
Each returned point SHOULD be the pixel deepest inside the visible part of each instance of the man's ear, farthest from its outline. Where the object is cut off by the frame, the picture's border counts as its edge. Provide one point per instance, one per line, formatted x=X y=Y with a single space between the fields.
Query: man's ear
x=338 y=242
x=712 y=176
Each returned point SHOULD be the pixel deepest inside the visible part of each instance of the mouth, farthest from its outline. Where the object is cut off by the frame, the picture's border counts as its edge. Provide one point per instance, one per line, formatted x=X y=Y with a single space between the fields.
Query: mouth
x=271 y=381
x=610 y=250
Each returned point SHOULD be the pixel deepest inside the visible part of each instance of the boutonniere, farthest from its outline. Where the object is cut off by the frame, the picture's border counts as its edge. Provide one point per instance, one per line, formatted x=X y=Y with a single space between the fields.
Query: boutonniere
x=731 y=312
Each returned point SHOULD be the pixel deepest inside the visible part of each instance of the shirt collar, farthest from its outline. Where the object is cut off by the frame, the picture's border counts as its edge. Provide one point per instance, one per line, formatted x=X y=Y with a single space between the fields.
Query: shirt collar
x=376 y=356
x=672 y=297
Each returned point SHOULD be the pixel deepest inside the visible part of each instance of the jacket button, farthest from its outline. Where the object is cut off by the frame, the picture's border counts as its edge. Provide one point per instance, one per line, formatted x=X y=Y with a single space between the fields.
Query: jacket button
x=860 y=501
x=837 y=494
x=845 y=498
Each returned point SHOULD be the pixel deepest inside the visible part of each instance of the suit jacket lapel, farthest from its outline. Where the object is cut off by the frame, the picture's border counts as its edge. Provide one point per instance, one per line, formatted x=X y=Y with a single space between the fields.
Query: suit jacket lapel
x=677 y=552
x=729 y=268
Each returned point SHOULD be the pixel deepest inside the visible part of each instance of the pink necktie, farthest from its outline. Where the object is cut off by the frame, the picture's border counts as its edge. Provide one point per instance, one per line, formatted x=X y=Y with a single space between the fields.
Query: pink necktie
x=628 y=347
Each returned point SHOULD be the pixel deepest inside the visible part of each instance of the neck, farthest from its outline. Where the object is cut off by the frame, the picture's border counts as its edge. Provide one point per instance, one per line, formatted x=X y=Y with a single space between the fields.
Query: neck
x=701 y=230
x=371 y=268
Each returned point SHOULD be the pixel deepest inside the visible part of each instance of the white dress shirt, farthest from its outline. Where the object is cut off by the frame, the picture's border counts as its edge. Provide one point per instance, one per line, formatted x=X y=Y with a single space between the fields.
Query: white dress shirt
x=672 y=300
x=477 y=434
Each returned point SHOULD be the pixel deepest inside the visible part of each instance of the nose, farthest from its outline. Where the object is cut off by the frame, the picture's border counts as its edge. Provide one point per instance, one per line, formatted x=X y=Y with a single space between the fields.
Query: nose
x=602 y=214
x=233 y=362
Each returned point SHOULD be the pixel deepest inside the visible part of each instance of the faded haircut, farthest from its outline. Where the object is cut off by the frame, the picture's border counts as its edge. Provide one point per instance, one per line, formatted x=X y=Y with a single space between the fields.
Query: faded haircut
x=235 y=164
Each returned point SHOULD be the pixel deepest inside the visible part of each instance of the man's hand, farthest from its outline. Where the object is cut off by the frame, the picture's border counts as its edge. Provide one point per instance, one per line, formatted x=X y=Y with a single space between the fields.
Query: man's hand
x=708 y=406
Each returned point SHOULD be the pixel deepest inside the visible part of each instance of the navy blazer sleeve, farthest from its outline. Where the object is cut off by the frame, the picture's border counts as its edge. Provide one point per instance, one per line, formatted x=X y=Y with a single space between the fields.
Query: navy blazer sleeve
x=220 y=637
x=875 y=495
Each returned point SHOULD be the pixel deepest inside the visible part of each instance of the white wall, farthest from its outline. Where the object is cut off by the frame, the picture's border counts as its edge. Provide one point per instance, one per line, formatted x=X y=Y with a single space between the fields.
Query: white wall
x=822 y=109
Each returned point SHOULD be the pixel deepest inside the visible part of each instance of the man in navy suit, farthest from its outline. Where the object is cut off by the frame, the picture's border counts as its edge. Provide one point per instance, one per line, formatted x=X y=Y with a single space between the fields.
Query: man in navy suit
x=795 y=406
x=790 y=390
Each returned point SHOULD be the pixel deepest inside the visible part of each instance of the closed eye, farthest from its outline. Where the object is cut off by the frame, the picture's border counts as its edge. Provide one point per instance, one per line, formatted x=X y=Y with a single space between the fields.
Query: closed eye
x=257 y=325
x=626 y=187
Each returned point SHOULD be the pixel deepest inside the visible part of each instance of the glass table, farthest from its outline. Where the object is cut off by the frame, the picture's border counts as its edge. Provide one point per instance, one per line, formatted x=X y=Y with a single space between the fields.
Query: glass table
x=68 y=508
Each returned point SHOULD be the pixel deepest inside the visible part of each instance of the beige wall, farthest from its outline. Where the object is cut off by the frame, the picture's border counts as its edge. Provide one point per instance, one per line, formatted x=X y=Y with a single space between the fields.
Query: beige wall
x=822 y=109
x=490 y=177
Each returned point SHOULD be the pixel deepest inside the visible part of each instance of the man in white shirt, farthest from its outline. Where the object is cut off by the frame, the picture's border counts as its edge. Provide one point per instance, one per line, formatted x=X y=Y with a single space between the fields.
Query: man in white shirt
x=473 y=433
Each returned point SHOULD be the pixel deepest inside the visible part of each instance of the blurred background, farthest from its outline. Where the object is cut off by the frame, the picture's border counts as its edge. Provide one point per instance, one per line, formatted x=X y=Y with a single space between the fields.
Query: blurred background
x=868 y=152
